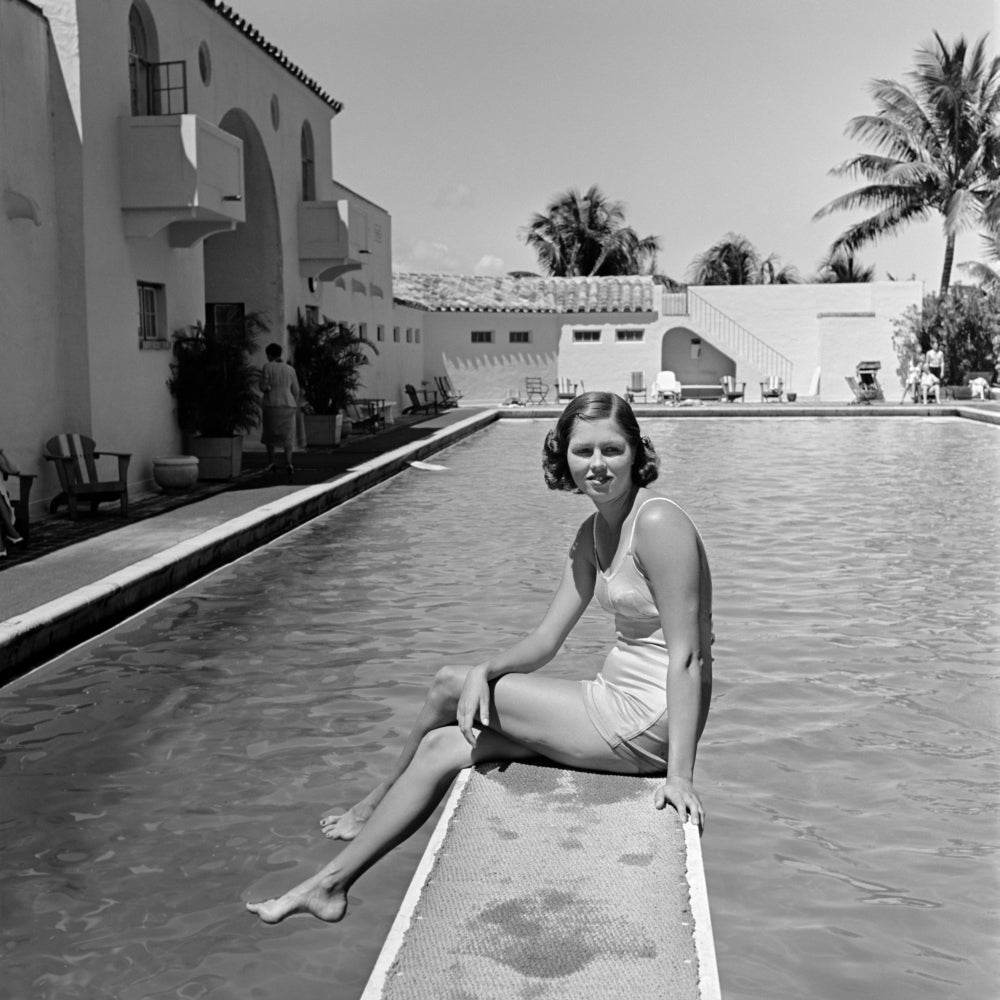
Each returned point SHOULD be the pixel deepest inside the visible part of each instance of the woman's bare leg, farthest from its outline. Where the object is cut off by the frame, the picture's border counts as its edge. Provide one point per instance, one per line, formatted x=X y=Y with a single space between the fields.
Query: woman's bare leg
x=407 y=803
x=438 y=710
x=530 y=716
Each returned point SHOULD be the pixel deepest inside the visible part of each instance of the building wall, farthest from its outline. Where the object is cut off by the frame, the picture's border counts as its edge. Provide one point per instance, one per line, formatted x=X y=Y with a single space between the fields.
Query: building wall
x=488 y=373
x=606 y=364
x=789 y=318
x=72 y=305
x=44 y=384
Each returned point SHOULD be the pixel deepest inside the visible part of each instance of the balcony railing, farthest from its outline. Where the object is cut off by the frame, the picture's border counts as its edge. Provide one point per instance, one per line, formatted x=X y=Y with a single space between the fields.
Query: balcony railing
x=333 y=236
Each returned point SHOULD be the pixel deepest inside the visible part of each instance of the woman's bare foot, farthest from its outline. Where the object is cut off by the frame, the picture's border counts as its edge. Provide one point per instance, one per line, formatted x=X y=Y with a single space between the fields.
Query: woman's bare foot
x=318 y=895
x=349 y=824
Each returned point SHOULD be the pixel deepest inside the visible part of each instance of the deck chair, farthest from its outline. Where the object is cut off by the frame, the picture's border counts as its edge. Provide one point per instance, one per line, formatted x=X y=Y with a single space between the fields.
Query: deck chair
x=19 y=504
x=773 y=387
x=427 y=405
x=865 y=385
x=75 y=458
x=566 y=389
x=636 y=387
x=446 y=391
x=666 y=388
x=729 y=391
x=535 y=389
x=363 y=416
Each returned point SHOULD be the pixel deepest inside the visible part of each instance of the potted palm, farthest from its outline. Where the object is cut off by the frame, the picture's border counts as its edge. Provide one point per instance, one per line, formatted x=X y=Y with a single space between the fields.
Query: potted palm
x=328 y=358
x=215 y=385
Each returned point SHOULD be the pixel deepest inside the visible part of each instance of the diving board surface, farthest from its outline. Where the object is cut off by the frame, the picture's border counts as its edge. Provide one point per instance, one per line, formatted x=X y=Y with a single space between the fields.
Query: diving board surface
x=552 y=884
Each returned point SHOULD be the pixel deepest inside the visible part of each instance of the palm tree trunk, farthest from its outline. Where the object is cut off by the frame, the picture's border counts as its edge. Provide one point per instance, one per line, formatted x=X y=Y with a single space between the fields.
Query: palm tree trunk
x=949 y=257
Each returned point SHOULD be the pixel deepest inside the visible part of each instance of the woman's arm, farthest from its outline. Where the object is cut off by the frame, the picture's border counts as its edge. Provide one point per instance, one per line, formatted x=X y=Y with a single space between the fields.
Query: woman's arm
x=667 y=548
x=576 y=588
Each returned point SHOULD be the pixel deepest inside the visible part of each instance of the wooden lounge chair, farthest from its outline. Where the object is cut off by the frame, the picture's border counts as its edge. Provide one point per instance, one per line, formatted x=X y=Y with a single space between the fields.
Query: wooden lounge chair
x=446 y=391
x=636 y=387
x=76 y=464
x=666 y=388
x=429 y=404
x=729 y=391
x=365 y=415
x=567 y=389
x=773 y=387
x=535 y=390
x=9 y=471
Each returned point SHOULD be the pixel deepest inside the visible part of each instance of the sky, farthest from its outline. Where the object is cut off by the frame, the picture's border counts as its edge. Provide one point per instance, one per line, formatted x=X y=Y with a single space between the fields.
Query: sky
x=462 y=118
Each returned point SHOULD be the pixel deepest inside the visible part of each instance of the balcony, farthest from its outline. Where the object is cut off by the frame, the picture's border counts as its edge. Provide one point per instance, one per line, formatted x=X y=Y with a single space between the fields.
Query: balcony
x=181 y=173
x=333 y=238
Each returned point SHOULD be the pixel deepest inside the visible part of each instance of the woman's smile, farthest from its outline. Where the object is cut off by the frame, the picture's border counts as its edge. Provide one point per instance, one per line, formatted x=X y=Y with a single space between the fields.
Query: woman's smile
x=599 y=457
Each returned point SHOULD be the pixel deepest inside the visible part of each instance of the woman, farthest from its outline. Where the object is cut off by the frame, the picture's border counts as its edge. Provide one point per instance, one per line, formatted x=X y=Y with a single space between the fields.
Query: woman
x=644 y=560
x=280 y=387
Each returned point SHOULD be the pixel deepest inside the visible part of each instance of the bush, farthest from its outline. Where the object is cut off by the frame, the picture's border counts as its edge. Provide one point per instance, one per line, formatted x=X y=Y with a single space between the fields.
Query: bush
x=212 y=379
x=966 y=322
x=328 y=358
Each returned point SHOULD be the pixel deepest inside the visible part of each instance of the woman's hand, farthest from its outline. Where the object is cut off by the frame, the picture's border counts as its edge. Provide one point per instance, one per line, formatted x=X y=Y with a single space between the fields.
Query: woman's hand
x=680 y=793
x=473 y=702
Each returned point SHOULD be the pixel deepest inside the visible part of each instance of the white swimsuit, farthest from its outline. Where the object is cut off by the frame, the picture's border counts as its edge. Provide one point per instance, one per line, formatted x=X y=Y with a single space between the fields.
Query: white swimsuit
x=627 y=701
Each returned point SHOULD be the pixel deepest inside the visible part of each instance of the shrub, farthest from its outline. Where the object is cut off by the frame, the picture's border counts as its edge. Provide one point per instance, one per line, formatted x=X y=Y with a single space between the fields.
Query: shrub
x=966 y=322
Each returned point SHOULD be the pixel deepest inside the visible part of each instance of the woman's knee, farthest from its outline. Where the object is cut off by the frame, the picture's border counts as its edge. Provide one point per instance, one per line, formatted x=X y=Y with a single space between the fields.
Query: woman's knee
x=447 y=685
x=445 y=746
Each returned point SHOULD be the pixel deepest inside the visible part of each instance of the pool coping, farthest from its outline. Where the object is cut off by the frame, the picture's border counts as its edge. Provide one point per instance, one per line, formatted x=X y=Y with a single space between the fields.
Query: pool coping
x=33 y=636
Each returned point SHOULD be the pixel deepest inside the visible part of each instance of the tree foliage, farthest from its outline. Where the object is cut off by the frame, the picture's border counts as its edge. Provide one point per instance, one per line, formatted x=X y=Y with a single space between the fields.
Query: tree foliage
x=328 y=358
x=585 y=235
x=966 y=322
x=734 y=260
x=937 y=149
x=213 y=380
x=841 y=267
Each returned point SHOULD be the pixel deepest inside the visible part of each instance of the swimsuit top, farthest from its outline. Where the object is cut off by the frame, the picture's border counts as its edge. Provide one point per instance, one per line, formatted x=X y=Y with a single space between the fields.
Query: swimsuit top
x=623 y=589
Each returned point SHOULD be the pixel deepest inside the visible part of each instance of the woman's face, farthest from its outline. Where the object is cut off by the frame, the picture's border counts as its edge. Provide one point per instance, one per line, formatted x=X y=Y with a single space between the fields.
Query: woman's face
x=600 y=459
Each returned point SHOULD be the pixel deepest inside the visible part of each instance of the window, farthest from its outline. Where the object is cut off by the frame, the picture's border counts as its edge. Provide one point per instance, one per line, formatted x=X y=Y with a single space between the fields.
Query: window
x=395 y=334
x=150 y=313
x=623 y=335
x=312 y=315
x=363 y=331
x=409 y=334
x=138 y=63
x=416 y=336
x=520 y=336
x=586 y=336
x=308 y=164
x=482 y=336
x=380 y=332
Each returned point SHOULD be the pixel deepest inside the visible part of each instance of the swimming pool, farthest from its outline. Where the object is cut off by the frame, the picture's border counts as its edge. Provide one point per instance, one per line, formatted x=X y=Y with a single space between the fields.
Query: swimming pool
x=159 y=774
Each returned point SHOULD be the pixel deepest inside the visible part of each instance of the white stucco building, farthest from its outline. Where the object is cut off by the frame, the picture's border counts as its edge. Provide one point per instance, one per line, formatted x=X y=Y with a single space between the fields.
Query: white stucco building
x=163 y=164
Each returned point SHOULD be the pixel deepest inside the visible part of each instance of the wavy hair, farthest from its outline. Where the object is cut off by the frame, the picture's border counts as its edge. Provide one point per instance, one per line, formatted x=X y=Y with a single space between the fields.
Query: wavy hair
x=596 y=406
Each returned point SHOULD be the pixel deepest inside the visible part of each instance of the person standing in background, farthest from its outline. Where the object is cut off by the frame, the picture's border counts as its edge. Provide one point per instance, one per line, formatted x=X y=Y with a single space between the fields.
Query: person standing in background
x=280 y=386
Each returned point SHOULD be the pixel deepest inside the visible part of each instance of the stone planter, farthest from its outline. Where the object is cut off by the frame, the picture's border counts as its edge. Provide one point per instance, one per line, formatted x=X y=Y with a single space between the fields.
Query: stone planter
x=791 y=396
x=323 y=430
x=175 y=474
x=218 y=458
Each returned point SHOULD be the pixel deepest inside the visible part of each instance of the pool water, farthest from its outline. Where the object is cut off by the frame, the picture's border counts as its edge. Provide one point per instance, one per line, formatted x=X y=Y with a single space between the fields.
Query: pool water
x=159 y=775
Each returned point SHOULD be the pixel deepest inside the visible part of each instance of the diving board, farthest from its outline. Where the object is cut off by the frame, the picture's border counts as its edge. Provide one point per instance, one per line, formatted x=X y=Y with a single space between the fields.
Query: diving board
x=555 y=884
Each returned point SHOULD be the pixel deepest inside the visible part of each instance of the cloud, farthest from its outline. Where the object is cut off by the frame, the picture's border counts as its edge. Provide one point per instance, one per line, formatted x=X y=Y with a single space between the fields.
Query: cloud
x=427 y=255
x=489 y=264
x=457 y=196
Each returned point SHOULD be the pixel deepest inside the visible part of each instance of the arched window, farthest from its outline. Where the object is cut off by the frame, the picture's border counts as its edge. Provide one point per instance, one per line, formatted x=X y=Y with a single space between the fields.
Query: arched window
x=308 y=164
x=138 y=62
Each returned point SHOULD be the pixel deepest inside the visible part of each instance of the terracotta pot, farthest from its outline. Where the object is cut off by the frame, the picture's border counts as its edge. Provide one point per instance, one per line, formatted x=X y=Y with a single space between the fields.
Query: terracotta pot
x=175 y=474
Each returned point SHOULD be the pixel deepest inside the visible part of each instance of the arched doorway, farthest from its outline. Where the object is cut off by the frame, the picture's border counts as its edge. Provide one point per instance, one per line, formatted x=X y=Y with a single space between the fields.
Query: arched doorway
x=243 y=267
x=692 y=358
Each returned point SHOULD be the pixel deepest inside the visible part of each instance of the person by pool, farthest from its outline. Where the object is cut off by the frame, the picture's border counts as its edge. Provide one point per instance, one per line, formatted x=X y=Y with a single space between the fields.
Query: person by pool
x=643 y=559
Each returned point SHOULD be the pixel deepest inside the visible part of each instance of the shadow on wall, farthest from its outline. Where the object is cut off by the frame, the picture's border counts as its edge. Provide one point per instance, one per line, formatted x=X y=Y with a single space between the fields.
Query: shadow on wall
x=692 y=358
x=496 y=376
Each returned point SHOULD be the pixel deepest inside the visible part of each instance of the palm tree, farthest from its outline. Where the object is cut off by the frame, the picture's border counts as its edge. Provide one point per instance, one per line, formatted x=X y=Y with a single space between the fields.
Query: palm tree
x=585 y=234
x=841 y=267
x=938 y=149
x=734 y=260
